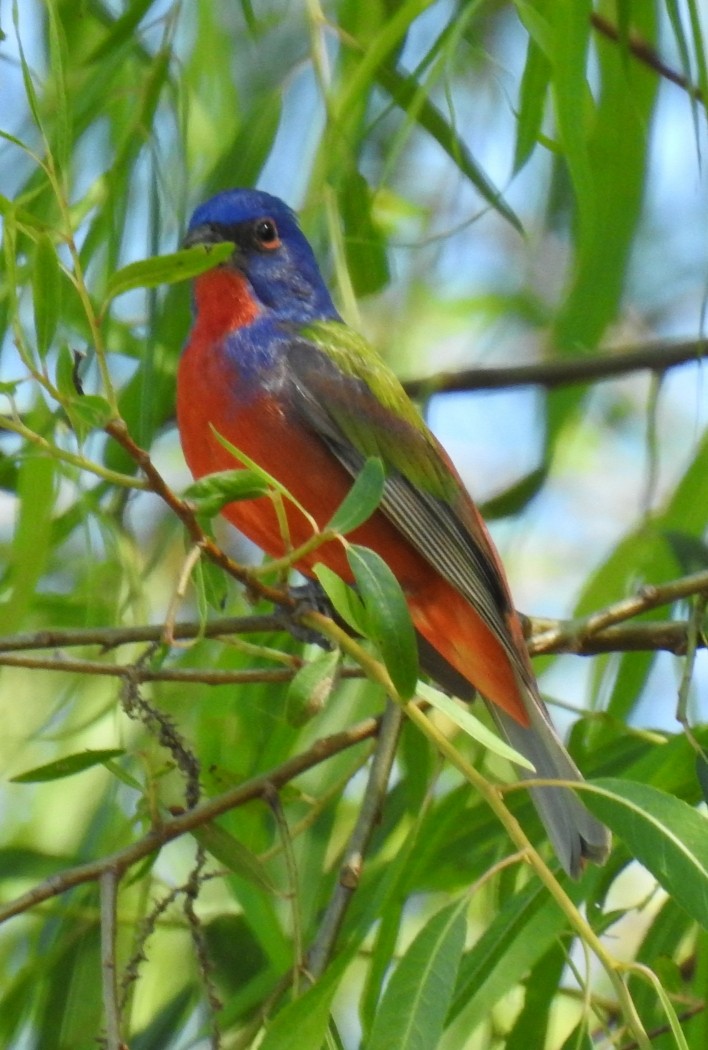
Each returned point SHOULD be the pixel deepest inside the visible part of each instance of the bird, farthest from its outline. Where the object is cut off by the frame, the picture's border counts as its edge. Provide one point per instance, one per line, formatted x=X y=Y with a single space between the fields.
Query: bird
x=270 y=366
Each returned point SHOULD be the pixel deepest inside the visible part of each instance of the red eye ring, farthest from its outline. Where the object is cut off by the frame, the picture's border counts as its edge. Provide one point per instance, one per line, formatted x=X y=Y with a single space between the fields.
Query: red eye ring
x=266 y=235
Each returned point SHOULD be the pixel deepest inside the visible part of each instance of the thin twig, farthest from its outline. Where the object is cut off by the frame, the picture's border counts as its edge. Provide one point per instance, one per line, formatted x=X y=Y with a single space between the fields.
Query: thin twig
x=645 y=53
x=112 y=637
x=589 y=368
x=369 y=813
x=118 y=430
x=565 y=637
x=286 y=842
x=109 y=881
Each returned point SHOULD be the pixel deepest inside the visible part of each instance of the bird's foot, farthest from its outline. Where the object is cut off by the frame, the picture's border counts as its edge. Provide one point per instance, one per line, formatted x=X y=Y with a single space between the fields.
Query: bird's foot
x=308 y=597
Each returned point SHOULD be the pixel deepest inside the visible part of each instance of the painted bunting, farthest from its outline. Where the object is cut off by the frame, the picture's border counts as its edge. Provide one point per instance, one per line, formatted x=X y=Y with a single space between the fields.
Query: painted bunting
x=271 y=367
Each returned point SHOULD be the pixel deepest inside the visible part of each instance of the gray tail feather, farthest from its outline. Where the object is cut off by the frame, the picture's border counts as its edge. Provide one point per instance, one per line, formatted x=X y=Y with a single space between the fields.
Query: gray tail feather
x=575 y=833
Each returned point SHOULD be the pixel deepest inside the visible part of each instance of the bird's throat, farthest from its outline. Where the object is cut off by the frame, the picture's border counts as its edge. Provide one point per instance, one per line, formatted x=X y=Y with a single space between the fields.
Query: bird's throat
x=224 y=302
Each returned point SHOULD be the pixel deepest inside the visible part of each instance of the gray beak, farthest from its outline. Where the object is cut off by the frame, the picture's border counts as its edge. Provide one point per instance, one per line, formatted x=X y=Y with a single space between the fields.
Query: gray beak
x=206 y=234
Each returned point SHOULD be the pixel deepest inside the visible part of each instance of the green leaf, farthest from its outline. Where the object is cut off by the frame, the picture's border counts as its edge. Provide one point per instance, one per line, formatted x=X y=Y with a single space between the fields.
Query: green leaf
x=690 y=551
x=532 y=99
x=234 y=855
x=405 y=90
x=514 y=499
x=211 y=584
x=364 y=245
x=664 y=833
x=345 y=601
x=541 y=993
x=212 y=492
x=167 y=269
x=304 y=1022
x=521 y=931
x=268 y=479
x=463 y=717
x=362 y=499
x=46 y=292
x=32 y=535
x=122 y=29
x=311 y=687
x=88 y=412
x=388 y=620
x=414 y=1006
x=66 y=767
x=702 y=774
x=58 y=64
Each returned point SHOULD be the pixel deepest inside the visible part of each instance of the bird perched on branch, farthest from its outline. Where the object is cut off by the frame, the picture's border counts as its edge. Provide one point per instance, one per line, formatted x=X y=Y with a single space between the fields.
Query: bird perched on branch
x=271 y=367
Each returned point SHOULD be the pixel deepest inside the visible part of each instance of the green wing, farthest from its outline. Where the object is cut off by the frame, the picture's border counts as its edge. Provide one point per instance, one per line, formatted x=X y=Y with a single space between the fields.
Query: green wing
x=346 y=394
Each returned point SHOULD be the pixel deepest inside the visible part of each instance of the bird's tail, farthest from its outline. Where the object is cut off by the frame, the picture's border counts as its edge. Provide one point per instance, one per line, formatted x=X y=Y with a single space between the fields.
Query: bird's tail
x=575 y=833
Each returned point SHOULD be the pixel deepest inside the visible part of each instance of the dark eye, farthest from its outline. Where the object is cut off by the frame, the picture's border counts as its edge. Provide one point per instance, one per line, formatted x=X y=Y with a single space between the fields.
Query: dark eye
x=266 y=233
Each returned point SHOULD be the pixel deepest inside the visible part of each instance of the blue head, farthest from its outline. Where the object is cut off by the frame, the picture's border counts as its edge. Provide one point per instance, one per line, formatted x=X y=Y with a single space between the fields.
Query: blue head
x=271 y=252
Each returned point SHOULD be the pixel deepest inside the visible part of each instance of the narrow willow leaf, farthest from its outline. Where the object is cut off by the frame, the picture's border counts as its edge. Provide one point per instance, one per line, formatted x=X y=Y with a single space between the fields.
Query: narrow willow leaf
x=362 y=499
x=532 y=100
x=345 y=601
x=270 y=481
x=702 y=774
x=405 y=90
x=463 y=717
x=522 y=930
x=167 y=269
x=121 y=30
x=88 y=412
x=305 y=1021
x=414 y=1006
x=514 y=499
x=234 y=855
x=541 y=994
x=46 y=292
x=65 y=377
x=211 y=585
x=27 y=72
x=61 y=103
x=364 y=245
x=66 y=767
x=212 y=492
x=388 y=620
x=311 y=687
x=663 y=832
x=33 y=530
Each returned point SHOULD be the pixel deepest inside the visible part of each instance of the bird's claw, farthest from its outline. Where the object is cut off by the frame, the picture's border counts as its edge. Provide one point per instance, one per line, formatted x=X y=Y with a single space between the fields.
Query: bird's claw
x=308 y=597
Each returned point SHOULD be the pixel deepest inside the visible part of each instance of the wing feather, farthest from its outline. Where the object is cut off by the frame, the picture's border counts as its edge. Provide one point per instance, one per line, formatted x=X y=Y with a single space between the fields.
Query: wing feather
x=347 y=415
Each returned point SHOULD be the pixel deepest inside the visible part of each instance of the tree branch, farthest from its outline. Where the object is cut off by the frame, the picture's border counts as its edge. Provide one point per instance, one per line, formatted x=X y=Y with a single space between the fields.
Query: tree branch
x=117 y=429
x=589 y=368
x=576 y=636
x=369 y=813
x=601 y=632
x=645 y=53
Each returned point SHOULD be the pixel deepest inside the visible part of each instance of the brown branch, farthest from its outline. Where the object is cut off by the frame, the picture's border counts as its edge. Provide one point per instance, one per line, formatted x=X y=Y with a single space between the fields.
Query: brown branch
x=117 y=429
x=671 y=636
x=590 y=368
x=573 y=636
x=138 y=674
x=601 y=632
x=113 y=637
x=548 y=636
x=258 y=787
x=645 y=53
x=369 y=813
x=109 y=891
